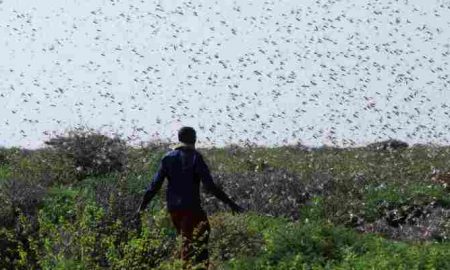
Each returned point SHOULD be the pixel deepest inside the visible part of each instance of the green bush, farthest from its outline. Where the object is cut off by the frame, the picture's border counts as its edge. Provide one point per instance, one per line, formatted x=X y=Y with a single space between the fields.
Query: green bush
x=75 y=231
x=145 y=251
x=91 y=153
x=3 y=156
x=5 y=172
x=44 y=167
x=231 y=237
x=72 y=231
x=323 y=246
x=389 y=196
x=60 y=205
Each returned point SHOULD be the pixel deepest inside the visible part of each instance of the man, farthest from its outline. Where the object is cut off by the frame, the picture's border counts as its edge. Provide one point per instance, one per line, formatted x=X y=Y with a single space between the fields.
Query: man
x=185 y=168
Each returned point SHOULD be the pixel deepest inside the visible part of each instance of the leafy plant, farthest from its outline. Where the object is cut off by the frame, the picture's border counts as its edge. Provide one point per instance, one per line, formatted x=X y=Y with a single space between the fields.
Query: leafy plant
x=92 y=153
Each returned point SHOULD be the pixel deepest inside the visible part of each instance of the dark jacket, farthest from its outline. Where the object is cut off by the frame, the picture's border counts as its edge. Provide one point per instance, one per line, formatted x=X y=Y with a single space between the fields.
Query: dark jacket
x=184 y=168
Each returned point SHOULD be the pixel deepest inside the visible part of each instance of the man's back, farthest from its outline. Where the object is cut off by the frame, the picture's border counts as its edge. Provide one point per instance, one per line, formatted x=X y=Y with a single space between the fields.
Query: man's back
x=185 y=168
x=183 y=189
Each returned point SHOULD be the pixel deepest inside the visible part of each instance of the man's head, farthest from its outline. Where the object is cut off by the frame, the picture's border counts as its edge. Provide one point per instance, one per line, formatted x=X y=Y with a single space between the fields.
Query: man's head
x=187 y=135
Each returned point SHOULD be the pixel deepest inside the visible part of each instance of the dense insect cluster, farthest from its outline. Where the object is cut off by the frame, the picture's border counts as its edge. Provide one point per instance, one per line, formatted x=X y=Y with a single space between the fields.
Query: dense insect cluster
x=320 y=72
x=275 y=193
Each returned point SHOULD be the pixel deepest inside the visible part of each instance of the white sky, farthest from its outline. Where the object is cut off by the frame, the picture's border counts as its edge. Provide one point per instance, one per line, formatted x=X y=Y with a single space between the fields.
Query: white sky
x=270 y=72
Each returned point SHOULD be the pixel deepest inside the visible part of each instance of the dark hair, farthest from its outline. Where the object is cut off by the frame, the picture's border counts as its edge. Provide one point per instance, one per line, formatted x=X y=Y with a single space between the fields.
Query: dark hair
x=187 y=135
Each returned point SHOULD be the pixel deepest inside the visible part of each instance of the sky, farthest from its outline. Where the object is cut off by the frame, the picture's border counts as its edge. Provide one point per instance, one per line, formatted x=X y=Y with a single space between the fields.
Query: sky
x=340 y=73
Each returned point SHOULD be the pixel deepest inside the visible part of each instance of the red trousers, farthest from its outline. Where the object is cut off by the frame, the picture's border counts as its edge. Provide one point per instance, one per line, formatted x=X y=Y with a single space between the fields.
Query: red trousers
x=194 y=229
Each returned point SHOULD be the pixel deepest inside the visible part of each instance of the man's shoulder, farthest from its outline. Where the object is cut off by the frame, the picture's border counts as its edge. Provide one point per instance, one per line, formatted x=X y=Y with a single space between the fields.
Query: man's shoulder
x=169 y=154
x=177 y=152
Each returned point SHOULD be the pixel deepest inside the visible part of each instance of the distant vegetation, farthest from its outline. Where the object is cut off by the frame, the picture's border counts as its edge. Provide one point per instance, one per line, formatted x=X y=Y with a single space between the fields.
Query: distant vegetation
x=90 y=153
x=70 y=206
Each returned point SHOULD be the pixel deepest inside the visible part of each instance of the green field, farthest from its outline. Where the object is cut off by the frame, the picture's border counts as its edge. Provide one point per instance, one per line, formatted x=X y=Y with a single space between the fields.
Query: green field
x=365 y=209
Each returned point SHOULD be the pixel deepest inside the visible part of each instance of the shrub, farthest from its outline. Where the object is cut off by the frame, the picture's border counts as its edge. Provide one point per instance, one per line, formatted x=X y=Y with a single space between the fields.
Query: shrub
x=92 y=153
x=18 y=222
x=231 y=237
x=413 y=223
x=275 y=192
x=72 y=236
x=386 y=197
x=7 y=153
x=147 y=251
x=320 y=245
x=116 y=194
x=407 y=212
x=59 y=205
x=19 y=197
x=3 y=156
x=5 y=172
x=154 y=244
x=299 y=245
x=44 y=167
x=8 y=249
x=390 y=144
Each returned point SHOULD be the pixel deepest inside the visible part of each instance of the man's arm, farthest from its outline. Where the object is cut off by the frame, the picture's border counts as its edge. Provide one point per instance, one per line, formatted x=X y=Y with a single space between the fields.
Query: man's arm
x=154 y=187
x=205 y=175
